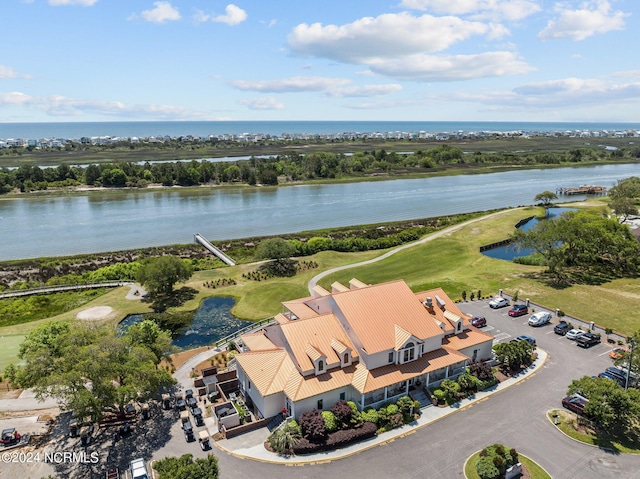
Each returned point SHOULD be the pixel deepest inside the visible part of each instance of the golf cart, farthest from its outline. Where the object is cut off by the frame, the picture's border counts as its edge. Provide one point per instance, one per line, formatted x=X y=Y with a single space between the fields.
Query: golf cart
x=203 y=439
x=10 y=437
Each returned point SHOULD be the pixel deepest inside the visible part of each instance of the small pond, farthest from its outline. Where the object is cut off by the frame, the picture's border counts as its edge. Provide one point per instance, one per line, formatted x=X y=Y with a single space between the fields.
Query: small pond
x=212 y=321
x=509 y=252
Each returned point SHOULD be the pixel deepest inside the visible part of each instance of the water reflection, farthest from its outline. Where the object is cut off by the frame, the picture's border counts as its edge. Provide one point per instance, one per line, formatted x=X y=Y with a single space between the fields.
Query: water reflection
x=509 y=252
x=213 y=320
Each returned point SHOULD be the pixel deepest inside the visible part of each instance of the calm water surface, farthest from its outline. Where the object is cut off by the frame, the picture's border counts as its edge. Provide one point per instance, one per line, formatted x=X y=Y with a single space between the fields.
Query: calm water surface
x=213 y=320
x=109 y=221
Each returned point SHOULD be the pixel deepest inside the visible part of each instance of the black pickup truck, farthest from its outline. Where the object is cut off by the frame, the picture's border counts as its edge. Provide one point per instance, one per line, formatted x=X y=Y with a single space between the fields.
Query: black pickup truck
x=587 y=340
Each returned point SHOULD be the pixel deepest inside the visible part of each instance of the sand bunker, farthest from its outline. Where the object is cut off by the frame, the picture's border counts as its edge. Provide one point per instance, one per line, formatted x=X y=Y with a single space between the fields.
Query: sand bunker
x=97 y=312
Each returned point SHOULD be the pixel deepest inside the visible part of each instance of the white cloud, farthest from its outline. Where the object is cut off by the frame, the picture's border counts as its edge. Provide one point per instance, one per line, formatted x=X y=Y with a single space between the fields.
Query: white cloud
x=264 y=103
x=9 y=72
x=233 y=15
x=594 y=17
x=452 y=67
x=496 y=9
x=161 y=13
x=84 y=3
x=385 y=36
x=291 y=85
x=566 y=92
x=365 y=91
x=57 y=105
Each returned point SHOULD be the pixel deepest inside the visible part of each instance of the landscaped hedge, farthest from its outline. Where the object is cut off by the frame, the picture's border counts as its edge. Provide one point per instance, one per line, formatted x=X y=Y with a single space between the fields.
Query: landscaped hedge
x=337 y=439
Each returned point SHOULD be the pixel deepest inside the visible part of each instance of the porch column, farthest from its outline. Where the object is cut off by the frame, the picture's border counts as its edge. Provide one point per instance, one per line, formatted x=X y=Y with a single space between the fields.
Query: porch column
x=386 y=390
x=446 y=372
x=362 y=402
x=427 y=380
x=406 y=387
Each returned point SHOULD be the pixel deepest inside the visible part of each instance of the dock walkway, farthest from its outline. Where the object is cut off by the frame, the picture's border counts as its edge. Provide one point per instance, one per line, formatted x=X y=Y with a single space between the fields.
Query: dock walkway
x=204 y=242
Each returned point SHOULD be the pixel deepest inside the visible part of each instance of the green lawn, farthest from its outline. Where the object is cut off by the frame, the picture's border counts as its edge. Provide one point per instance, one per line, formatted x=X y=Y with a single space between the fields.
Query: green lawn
x=625 y=443
x=535 y=471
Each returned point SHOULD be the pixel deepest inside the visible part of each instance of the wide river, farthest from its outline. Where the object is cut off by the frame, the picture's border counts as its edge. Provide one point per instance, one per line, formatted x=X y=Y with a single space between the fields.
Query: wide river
x=109 y=221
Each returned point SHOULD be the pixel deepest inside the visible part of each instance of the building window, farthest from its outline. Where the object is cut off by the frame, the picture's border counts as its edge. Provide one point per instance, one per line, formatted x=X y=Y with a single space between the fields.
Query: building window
x=346 y=358
x=320 y=365
x=319 y=405
x=409 y=353
x=391 y=357
x=342 y=396
x=248 y=384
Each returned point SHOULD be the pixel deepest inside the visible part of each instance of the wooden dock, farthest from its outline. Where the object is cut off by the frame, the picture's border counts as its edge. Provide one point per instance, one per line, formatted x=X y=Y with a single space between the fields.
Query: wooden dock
x=583 y=190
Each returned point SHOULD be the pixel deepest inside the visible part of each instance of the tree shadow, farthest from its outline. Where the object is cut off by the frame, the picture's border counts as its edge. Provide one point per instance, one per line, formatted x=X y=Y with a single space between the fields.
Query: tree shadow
x=109 y=449
x=160 y=302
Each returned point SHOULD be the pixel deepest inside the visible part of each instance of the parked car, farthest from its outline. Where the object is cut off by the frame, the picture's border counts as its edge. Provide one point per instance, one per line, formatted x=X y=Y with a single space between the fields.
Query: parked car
x=575 y=403
x=498 y=303
x=540 y=318
x=606 y=375
x=588 y=339
x=617 y=373
x=478 y=321
x=617 y=353
x=562 y=328
x=518 y=310
x=574 y=334
x=530 y=339
x=138 y=469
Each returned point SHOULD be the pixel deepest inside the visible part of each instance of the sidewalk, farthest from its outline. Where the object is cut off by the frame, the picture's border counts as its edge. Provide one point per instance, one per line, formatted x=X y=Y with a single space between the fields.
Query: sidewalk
x=251 y=445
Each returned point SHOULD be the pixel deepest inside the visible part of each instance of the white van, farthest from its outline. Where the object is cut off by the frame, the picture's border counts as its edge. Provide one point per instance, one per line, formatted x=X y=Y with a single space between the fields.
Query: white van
x=138 y=469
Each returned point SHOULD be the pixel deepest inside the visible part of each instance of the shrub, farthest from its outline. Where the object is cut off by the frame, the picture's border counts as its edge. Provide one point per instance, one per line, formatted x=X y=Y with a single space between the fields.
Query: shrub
x=481 y=370
x=467 y=382
x=347 y=436
x=304 y=446
x=330 y=421
x=370 y=415
x=356 y=418
x=343 y=412
x=486 y=468
x=312 y=425
x=285 y=439
x=440 y=395
x=395 y=420
x=405 y=403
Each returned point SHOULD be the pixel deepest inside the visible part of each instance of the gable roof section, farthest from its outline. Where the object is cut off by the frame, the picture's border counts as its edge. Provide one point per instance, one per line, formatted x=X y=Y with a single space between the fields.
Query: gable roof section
x=318 y=334
x=466 y=339
x=300 y=387
x=374 y=311
x=257 y=341
x=300 y=309
x=448 y=305
x=402 y=336
x=366 y=381
x=268 y=370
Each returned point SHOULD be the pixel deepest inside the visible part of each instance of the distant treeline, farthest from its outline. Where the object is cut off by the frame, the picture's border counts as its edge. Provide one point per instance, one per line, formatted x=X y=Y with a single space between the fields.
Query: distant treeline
x=283 y=168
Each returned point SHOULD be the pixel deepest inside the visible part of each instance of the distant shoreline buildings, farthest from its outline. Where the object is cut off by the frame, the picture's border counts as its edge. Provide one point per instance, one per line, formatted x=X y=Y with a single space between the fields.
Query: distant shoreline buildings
x=45 y=143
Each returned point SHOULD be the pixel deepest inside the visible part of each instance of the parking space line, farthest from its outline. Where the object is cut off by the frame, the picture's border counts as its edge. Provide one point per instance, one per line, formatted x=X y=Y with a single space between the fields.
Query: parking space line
x=501 y=336
x=488 y=328
x=606 y=352
x=550 y=332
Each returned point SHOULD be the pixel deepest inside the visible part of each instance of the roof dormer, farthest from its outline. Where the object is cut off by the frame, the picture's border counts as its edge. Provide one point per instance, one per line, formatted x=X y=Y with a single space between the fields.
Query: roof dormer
x=343 y=352
x=318 y=359
x=456 y=321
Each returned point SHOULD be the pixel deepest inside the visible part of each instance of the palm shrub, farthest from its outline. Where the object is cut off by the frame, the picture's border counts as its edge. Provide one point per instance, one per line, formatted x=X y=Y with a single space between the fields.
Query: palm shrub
x=284 y=439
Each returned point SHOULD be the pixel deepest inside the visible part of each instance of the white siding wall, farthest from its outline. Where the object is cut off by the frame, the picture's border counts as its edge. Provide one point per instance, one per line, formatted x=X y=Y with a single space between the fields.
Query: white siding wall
x=328 y=400
x=484 y=351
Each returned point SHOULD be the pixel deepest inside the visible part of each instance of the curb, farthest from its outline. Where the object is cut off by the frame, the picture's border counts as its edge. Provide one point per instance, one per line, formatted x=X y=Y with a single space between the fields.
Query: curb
x=399 y=433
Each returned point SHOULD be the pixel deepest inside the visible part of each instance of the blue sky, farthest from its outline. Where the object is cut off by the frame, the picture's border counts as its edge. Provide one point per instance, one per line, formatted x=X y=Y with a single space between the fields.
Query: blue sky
x=421 y=60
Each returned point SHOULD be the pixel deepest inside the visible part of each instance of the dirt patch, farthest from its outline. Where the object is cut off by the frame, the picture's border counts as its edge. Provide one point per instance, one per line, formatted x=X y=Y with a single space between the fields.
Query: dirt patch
x=97 y=312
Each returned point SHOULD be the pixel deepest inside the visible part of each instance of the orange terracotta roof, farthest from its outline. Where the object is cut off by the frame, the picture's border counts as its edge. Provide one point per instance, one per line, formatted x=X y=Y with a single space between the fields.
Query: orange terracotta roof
x=467 y=338
x=318 y=333
x=268 y=370
x=374 y=311
x=300 y=309
x=300 y=387
x=338 y=287
x=367 y=381
x=257 y=341
x=448 y=306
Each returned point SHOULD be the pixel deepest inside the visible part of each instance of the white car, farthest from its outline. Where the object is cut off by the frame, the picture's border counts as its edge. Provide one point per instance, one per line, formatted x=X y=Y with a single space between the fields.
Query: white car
x=574 y=334
x=538 y=319
x=499 y=303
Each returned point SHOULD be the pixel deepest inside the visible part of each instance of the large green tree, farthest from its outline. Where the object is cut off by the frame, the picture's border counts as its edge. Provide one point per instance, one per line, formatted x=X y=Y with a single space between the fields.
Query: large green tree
x=624 y=196
x=161 y=274
x=279 y=251
x=583 y=240
x=185 y=467
x=90 y=369
x=513 y=354
x=545 y=198
x=610 y=406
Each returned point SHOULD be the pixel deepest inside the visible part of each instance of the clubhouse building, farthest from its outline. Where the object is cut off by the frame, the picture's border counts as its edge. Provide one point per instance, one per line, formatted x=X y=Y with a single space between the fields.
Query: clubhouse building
x=366 y=343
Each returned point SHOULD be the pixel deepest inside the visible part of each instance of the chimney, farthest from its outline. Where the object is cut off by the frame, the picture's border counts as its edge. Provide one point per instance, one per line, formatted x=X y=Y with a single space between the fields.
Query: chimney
x=428 y=303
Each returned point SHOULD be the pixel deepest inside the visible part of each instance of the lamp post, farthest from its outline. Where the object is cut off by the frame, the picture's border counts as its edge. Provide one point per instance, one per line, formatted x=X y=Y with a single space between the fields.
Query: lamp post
x=632 y=344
